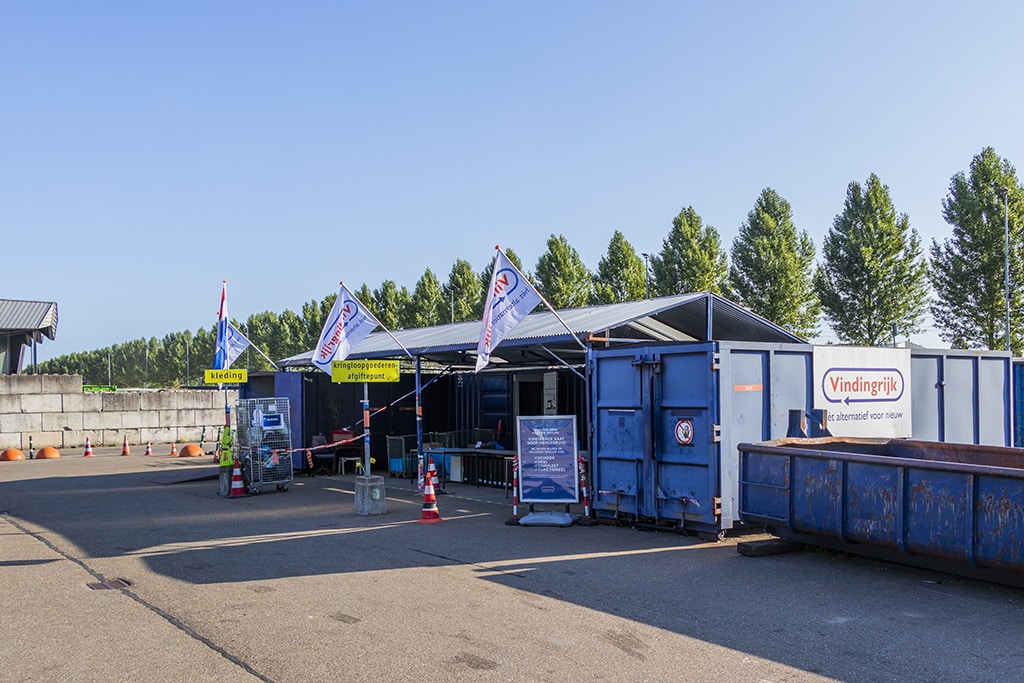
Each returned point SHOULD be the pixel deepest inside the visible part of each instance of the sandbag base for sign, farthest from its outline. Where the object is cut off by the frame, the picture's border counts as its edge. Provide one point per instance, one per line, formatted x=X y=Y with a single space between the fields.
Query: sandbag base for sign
x=548 y=519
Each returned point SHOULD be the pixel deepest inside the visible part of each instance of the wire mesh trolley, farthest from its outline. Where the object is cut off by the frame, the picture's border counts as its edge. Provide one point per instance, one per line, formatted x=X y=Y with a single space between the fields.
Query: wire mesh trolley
x=263 y=438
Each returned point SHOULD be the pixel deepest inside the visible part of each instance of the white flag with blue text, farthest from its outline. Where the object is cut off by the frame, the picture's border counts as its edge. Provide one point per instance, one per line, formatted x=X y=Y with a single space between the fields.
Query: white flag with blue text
x=510 y=298
x=347 y=324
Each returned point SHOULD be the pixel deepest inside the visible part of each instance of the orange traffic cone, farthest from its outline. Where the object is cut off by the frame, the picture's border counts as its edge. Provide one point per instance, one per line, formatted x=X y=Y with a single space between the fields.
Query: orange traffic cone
x=88 y=449
x=237 y=486
x=432 y=469
x=149 y=448
x=430 y=514
x=124 y=449
x=174 y=450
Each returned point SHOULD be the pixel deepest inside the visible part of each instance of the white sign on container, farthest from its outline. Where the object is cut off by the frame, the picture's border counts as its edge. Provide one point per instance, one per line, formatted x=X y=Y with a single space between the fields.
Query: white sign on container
x=866 y=391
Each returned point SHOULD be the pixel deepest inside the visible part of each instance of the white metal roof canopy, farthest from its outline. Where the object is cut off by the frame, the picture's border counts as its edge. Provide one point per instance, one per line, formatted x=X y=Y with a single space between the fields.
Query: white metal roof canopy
x=540 y=339
x=23 y=323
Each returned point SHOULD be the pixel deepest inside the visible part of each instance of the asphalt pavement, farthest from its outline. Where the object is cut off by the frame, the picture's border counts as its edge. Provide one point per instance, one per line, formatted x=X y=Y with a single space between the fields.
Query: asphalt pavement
x=295 y=586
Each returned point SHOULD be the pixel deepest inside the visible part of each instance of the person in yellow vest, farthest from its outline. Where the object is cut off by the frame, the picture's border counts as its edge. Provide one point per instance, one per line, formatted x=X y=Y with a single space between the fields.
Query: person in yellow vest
x=226 y=462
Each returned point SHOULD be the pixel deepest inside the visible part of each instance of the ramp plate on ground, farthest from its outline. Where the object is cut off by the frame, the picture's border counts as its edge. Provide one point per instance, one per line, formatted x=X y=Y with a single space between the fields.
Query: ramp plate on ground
x=180 y=476
x=547 y=519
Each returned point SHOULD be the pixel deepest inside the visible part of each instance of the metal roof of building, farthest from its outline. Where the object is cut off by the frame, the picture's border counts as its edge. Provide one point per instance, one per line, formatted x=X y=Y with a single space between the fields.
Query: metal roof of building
x=541 y=339
x=34 y=318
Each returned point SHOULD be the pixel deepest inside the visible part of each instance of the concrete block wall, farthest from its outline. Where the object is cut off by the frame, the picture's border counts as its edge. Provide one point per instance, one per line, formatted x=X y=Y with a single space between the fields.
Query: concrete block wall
x=53 y=411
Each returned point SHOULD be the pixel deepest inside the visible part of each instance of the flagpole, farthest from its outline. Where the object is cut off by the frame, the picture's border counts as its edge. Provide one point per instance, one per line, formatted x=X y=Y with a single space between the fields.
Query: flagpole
x=545 y=301
x=258 y=349
x=366 y=396
x=416 y=360
x=380 y=324
x=585 y=347
x=221 y=347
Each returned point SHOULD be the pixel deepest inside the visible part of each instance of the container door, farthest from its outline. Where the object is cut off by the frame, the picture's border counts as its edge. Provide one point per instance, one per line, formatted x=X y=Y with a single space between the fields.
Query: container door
x=621 y=435
x=682 y=473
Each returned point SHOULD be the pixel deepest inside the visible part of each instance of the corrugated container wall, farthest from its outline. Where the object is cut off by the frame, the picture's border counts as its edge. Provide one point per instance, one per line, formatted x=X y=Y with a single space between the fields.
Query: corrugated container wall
x=1018 y=402
x=668 y=419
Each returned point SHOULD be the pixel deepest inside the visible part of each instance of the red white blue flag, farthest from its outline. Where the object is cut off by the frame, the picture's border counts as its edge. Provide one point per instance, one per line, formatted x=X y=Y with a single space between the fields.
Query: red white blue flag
x=347 y=324
x=510 y=298
x=230 y=342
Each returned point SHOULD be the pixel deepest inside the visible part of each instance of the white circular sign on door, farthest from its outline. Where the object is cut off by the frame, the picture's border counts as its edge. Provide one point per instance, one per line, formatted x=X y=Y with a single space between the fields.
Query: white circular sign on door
x=684 y=432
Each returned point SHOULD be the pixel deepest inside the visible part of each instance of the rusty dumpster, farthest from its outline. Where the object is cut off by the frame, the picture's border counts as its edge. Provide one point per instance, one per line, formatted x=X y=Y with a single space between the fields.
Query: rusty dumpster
x=956 y=508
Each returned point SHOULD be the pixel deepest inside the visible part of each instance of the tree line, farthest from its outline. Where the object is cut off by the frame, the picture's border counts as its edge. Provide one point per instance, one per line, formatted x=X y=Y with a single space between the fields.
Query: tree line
x=872 y=277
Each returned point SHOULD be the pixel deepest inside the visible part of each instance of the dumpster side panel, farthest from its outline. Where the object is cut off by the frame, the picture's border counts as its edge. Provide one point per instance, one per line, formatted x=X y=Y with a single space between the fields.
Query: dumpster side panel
x=962 y=396
x=745 y=390
x=872 y=497
x=1018 y=404
x=994 y=401
x=619 y=434
x=814 y=495
x=960 y=414
x=783 y=372
x=791 y=386
x=736 y=392
x=765 y=487
x=935 y=512
x=1000 y=522
x=685 y=462
x=746 y=386
x=649 y=400
x=926 y=397
x=948 y=513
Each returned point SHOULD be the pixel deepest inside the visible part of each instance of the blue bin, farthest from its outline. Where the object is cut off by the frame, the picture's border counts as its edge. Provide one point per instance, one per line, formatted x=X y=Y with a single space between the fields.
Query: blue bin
x=957 y=508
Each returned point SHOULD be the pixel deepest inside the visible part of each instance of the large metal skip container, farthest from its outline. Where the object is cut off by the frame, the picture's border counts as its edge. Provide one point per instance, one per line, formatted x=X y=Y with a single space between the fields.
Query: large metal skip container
x=956 y=508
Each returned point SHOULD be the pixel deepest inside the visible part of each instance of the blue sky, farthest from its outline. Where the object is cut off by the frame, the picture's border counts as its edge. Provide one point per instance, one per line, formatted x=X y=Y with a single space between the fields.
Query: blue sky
x=151 y=150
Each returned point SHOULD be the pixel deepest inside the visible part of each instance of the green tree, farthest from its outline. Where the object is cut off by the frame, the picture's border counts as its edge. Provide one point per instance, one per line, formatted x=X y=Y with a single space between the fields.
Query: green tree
x=873 y=274
x=128 y=363
x=391 y=303
x=460 y=294
x=562 y=277
x=691 y=258
x=427 y=305
x=276 y=335
x=772 y=266
x=168 y=361
x=201 y=351
x=366 y=297
x=620 y=273
x=968 y=269
x=262 y=330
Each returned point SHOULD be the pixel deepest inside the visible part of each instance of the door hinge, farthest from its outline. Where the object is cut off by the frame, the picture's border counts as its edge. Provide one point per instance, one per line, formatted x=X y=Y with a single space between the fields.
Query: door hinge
x=716 y=361
x=716 y=433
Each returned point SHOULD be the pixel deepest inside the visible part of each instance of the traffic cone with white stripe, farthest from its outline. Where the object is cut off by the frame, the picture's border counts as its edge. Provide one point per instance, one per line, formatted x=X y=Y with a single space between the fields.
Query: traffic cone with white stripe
x=431 y=514
x=149 y=448
x=88 y=449
x=432 y=470
x=237 y=485
x=174 y=450
x=124 y=448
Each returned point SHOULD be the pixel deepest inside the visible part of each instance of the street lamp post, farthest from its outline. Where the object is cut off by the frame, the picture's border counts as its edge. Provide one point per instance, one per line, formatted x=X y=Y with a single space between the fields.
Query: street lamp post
x=647 y=278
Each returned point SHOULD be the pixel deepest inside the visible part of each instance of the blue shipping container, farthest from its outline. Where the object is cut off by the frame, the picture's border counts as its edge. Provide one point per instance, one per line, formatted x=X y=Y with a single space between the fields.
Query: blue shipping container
x=667 y=419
